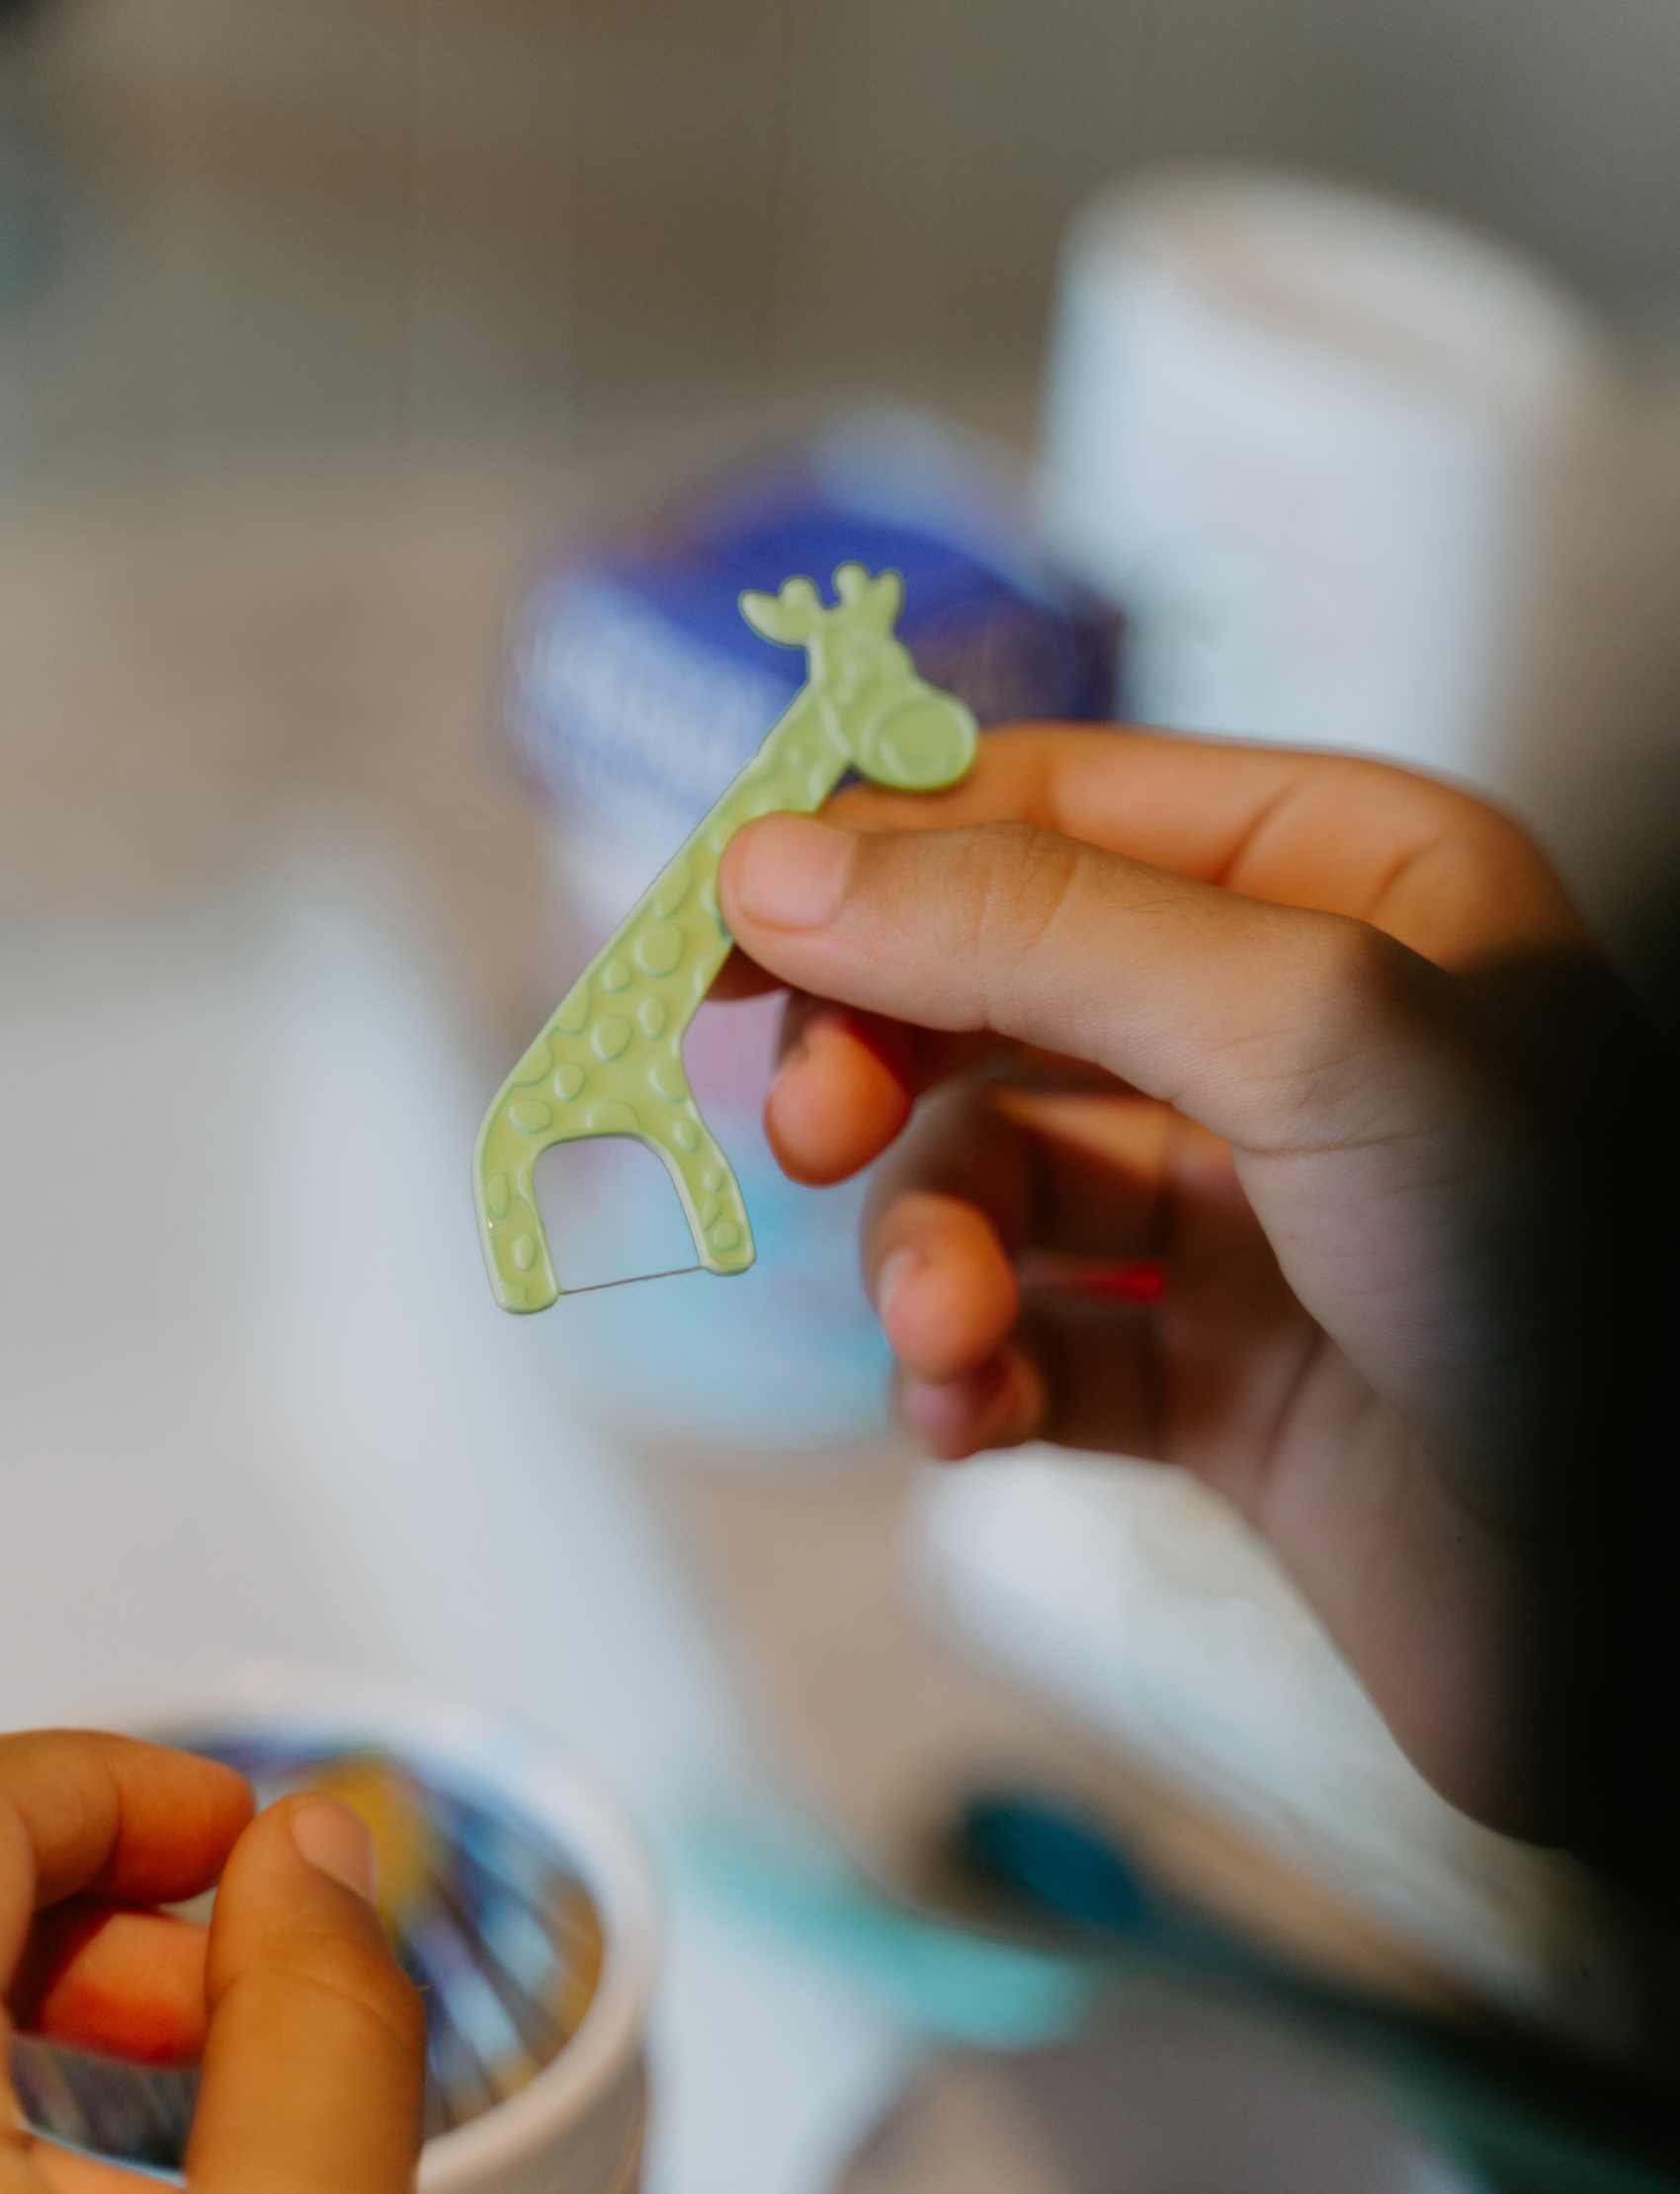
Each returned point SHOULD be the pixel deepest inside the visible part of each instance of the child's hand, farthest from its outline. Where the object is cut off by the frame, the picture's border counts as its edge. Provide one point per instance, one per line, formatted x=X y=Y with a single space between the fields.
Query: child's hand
x=1330 y=1041
x=311 y=2038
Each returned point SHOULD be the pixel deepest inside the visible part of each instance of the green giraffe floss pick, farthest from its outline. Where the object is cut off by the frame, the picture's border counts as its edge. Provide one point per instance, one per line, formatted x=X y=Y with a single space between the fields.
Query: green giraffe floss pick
x=610 y=1061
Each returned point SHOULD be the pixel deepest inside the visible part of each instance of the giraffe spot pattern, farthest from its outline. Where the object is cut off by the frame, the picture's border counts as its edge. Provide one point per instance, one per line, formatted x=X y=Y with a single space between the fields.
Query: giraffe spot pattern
x=670 y=1079
x=614 y=1118
x=496 y=1195
x=610 y=1035
x=617 y=974
x=713 y=1178
x=708 y=1211
x=652 y=1016
x=725 y=1234
x=574 y=1010
x=658 y=950
x=672 y=888
x=530 y=1116
x=524 y=1252
x=568 y=1080
x=685 y=1134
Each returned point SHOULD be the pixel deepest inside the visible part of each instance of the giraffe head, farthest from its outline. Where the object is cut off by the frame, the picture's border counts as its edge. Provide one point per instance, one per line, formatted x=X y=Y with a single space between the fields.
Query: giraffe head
x=899 y=730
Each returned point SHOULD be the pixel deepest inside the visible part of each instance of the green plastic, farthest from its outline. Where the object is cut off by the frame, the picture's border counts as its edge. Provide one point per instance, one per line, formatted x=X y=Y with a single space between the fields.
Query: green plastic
x=610 y=1061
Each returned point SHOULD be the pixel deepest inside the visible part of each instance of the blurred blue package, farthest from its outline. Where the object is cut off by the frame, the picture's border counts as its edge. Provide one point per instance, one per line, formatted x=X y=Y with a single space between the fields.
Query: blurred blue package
x=638 y=690
x=635 y=692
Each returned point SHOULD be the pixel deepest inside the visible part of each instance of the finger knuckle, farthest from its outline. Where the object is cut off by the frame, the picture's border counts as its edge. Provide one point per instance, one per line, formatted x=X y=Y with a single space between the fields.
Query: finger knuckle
x=1447 y=814
x=1371 y=779
x=1354 y=967
x=1359 y=989
x=1023 y=876
x=363 y=1978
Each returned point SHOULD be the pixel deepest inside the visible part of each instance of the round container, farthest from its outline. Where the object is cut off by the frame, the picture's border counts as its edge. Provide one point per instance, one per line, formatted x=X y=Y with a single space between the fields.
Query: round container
x=576 y=2127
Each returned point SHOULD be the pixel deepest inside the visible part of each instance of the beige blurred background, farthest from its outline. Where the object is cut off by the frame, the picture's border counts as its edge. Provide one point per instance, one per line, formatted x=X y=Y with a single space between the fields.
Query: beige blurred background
x=343 y=307
x=379 y=222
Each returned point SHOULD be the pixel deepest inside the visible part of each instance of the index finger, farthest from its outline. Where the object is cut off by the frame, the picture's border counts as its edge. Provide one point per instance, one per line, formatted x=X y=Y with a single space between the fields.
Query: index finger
x=84 y=1813
x=1432 y=866
x=92 y=1827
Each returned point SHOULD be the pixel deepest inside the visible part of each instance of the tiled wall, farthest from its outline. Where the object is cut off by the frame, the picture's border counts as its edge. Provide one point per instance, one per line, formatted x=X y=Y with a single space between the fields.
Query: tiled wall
x=390 y=220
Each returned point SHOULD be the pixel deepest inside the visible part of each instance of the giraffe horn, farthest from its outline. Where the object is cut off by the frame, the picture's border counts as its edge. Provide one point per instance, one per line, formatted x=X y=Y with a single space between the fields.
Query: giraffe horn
x=852 y=584
x=887 y=598
x=879 y=598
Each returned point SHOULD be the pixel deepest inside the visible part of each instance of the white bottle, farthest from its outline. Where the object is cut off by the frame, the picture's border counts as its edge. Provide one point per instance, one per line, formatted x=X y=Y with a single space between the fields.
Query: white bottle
x=1361 y=481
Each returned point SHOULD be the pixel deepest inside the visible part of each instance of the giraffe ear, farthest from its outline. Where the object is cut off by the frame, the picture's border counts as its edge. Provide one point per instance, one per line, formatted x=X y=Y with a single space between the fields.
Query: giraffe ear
x=788 y=617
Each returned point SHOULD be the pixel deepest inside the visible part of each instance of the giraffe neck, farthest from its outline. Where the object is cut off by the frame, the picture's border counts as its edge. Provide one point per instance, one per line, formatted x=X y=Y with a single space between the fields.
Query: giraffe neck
x=798 y=763
x=803 y=748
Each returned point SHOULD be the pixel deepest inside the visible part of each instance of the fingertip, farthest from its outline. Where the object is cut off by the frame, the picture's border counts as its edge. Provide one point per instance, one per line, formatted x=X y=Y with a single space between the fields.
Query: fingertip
x=844 y=1093
x=287 y=1871
x=998 y=1406
x=944 y=1290
x=783 y=871
x=121 y=1983
x=117 y=1816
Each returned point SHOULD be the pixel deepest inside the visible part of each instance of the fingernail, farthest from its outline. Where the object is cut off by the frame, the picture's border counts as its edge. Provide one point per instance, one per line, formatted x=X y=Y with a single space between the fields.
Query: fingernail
x=791 y=871
x=896 y=1268
x=331 y=1837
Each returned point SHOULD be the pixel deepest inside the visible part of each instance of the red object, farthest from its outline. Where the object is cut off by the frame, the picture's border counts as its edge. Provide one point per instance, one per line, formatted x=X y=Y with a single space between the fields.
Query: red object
x=1143 y=1282
x=1144 y=1279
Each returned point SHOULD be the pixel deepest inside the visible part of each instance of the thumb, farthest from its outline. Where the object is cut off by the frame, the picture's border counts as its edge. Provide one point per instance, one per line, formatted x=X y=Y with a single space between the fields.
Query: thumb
x=314 y=2063
x=1270 y=1025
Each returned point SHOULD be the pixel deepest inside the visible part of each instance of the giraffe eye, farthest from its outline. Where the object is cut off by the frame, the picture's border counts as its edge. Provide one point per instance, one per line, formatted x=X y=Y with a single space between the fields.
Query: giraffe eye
x=926 y=740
